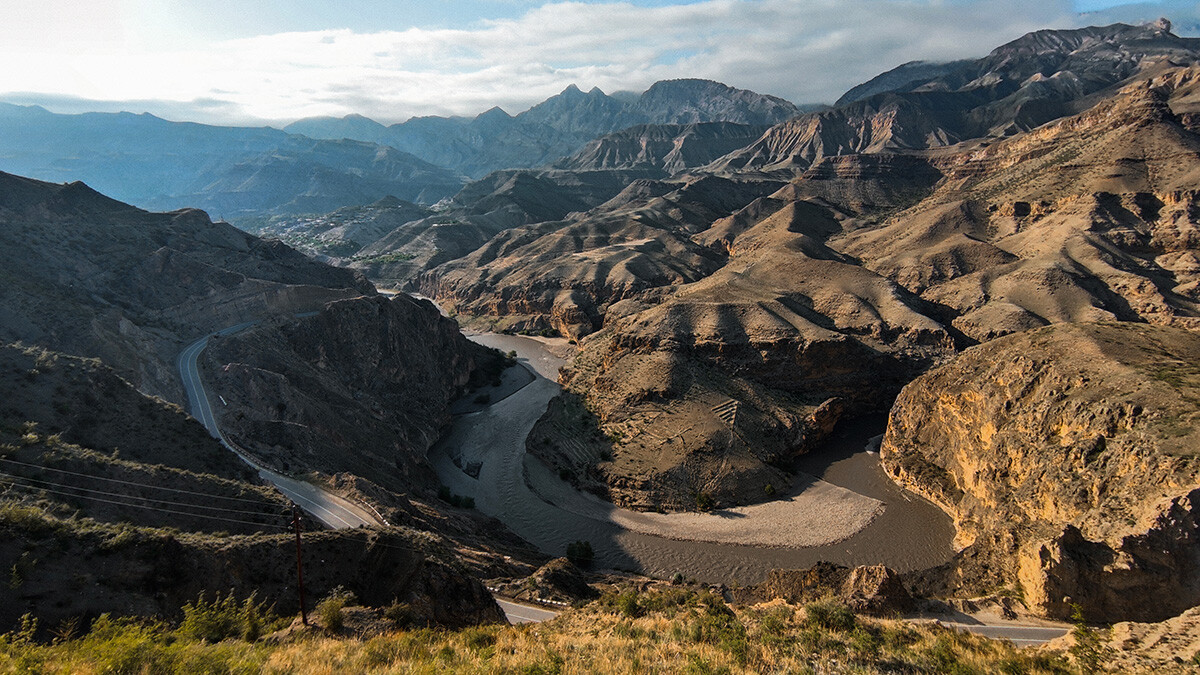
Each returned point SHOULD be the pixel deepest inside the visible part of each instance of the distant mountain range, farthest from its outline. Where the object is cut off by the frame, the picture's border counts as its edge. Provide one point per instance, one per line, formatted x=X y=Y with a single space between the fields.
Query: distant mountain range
x=231 y=172
x=320 y=164
x=556 y=127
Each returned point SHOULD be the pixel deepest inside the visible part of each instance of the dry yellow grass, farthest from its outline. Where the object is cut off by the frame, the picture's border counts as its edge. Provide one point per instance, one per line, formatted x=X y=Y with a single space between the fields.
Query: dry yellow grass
x=673 y=631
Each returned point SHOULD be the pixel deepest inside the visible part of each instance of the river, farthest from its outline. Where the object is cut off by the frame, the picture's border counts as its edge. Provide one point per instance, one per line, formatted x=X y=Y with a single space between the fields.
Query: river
x=908 y=533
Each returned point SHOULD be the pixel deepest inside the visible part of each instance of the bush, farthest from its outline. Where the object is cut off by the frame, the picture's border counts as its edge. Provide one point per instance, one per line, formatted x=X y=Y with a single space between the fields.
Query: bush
x=401 y=615
x=225 y=618
x=329 y=610
x=454 y=500
x=627 y=603
x=830 y=616
x=580 y=552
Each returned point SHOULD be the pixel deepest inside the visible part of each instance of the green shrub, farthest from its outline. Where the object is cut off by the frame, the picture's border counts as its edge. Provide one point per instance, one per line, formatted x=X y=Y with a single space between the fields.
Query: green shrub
x=580 y=552
x=628 y=605
x=866 y=643
x=225 y=618
x=401 y=615
x=329 y=610
x=830 y=616
x=1089 y=651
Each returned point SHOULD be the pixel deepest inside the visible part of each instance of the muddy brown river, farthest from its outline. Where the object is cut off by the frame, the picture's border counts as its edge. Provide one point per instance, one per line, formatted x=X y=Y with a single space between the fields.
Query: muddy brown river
x=908 y=533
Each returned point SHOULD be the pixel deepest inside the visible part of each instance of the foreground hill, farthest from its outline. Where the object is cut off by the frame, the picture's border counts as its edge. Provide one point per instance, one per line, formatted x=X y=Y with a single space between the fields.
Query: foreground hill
x=679 y=630
x=115 y=501
x=89 y=275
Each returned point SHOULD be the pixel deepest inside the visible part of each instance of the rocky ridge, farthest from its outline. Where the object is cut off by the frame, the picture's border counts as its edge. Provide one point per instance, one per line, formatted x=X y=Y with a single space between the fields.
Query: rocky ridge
x=863 y=270
x=1019 y=86
x=363 y=386
x=555 y=128
x=1067 y=457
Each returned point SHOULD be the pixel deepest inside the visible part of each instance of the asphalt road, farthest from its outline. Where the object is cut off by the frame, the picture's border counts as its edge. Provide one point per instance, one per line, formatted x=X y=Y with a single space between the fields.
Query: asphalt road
x=1021 y=636
x=334 y=511
x=517 y=613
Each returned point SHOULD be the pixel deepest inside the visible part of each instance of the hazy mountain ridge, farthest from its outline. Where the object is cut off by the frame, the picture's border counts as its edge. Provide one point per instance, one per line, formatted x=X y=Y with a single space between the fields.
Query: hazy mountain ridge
x=1019 y=86
x=232 y=172
x=556 y=127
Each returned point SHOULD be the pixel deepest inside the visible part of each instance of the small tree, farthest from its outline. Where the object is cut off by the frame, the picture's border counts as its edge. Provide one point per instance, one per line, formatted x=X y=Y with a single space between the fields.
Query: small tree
x=1089 y=651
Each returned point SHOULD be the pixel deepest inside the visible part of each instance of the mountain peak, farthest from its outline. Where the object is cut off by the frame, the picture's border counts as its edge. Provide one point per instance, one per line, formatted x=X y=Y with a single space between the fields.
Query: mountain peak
x=494 y=112
x=1073 y=39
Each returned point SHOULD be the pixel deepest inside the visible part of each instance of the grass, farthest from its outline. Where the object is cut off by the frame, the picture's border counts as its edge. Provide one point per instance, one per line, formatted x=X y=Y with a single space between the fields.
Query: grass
x=677 y=630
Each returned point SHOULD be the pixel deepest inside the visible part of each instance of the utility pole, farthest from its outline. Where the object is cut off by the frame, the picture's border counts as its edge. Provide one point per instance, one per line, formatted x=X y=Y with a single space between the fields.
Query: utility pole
x=299 y=564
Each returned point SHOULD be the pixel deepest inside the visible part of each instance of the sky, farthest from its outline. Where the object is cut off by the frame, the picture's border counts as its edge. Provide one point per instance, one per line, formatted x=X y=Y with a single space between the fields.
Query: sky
x=275 y=61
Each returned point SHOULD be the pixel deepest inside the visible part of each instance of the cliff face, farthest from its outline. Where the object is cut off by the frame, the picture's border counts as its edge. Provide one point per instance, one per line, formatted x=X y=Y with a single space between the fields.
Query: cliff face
x=1067 y=455
x=362 y=386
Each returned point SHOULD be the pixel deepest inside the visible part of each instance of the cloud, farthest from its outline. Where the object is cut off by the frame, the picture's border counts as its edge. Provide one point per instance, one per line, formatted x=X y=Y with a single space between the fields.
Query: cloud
x=802 y=50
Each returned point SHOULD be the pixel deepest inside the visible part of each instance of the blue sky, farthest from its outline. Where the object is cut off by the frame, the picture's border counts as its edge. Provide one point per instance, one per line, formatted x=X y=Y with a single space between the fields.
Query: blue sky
x=246 y=61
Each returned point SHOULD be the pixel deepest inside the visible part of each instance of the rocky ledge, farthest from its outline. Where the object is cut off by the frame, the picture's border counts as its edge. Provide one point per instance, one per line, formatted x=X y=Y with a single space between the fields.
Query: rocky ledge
x=1067 y=456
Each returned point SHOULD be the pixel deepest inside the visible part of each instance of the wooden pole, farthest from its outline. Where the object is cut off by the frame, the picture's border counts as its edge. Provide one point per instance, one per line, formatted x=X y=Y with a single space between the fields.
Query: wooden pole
x=299 y=564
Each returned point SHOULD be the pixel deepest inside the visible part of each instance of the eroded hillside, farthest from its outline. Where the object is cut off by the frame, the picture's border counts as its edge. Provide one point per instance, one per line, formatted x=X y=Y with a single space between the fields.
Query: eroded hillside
x=728 y=317
x=1068 y=458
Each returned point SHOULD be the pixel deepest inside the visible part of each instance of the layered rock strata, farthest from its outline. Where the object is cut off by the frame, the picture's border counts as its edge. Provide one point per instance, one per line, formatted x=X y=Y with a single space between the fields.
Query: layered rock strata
x=1067 y=457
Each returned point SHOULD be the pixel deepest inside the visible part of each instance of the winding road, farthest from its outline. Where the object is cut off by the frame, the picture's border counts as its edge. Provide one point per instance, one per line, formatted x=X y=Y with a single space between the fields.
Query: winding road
x=511 y=420
x=520 y=613
x=330 y=509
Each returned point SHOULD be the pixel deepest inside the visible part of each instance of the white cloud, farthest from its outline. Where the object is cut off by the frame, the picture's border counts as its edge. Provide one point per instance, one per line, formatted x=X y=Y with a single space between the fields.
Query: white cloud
x=802 y=50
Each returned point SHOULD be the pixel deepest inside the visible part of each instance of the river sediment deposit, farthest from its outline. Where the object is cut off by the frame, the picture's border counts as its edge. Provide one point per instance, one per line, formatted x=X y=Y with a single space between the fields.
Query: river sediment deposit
x=841 y=506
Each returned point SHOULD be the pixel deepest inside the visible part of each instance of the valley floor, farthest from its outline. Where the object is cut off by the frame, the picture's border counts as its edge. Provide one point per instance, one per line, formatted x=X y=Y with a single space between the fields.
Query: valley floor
x=871 y=521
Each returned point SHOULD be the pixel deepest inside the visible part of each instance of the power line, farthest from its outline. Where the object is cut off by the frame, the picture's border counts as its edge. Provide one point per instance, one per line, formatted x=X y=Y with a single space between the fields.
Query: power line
x=126 y=496
x=373 y=542
x=139 y=484
x=142 y=506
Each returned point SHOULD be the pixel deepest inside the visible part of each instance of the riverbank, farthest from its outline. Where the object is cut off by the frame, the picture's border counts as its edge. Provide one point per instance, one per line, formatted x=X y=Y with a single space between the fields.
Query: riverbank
x=863 y=519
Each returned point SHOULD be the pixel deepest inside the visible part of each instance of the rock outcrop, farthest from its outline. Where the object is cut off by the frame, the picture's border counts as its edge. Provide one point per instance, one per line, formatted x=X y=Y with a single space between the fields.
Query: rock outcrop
x=1067 y=456
x=871 y=589
x=362 y=386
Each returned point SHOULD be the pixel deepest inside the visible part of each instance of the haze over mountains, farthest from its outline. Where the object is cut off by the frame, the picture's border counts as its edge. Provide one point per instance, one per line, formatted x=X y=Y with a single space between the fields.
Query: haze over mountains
x=556 y=127
x=1003 y=254
x=246 y=173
